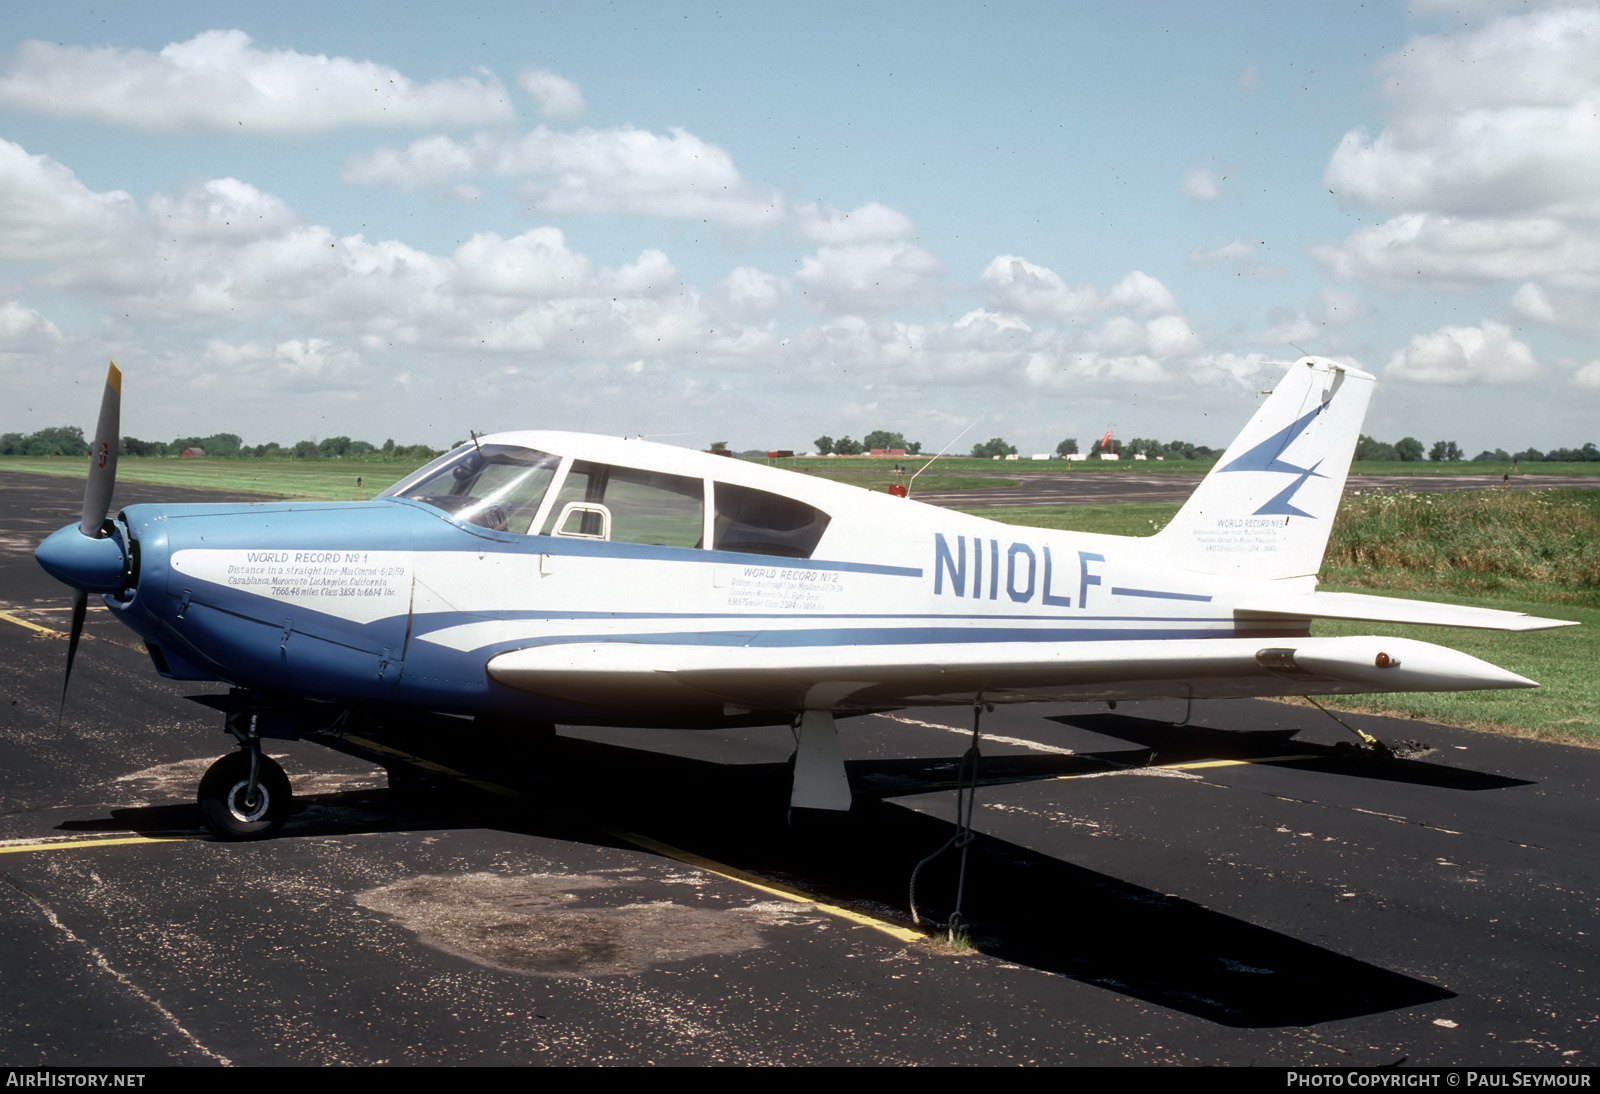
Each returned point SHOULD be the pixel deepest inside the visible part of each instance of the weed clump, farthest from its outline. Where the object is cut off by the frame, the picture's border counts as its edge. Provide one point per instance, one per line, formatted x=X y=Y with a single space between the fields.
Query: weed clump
x=1544 y=543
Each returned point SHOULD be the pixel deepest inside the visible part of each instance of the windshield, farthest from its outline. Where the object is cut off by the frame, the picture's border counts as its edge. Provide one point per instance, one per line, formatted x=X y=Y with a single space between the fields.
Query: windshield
x=495 y=486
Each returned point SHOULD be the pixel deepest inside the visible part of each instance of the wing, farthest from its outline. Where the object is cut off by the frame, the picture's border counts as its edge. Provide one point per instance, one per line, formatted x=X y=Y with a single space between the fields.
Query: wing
x=680 y=679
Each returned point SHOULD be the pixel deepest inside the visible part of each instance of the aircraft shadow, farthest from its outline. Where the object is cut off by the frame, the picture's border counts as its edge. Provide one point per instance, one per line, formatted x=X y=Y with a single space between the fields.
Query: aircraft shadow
x=1169 y=743
x=1020 y=905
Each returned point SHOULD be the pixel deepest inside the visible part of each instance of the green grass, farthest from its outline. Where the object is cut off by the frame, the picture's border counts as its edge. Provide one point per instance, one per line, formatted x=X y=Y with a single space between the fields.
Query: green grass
x=1497 y=468
x=1539 y=545
x=333 y=480
x=1527 y=551
x=968 y=465
x=1138 y=518
x=1566 y=705
x=879 y=480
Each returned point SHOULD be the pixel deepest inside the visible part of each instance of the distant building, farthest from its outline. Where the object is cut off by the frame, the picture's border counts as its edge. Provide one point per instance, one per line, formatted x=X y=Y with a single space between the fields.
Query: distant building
x=1040 y=456
x=887 y=452
x=192 y=452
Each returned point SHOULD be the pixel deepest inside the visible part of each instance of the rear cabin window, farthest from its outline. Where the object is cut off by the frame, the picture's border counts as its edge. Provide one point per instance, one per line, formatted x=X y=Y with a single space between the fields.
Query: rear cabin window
x=626 y=505
x=758 y=523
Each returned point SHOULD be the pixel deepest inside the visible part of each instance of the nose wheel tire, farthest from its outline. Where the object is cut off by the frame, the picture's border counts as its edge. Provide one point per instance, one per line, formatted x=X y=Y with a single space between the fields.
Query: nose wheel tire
x=227 y=807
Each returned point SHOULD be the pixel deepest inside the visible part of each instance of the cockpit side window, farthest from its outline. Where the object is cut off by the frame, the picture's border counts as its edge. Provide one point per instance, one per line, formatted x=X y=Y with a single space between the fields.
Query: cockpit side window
x=495 y=486
x=758 y=523
x=644 y=506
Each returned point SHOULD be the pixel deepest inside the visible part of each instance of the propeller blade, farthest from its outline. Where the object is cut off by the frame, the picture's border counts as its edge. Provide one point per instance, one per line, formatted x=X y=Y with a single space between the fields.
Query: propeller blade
x=103 y=457
x=80 y=608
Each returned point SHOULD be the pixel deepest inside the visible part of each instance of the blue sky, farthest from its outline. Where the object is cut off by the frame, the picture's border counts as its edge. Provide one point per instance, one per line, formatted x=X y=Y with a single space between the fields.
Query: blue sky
x=760 y=225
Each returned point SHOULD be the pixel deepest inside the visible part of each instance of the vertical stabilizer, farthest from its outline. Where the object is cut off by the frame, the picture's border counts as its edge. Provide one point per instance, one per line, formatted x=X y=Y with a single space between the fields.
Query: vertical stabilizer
x=1266 y=508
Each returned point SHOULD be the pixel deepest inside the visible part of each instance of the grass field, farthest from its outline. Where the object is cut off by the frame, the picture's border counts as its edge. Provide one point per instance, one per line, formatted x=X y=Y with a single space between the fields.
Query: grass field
x=1523 y=551
x=333 y=480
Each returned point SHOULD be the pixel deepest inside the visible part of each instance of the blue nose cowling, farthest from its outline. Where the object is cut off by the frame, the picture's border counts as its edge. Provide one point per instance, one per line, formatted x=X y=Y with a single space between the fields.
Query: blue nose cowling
x=93 y=565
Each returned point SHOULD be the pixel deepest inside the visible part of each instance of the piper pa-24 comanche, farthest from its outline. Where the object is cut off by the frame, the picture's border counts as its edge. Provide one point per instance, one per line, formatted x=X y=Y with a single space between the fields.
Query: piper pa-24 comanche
x=539 y=578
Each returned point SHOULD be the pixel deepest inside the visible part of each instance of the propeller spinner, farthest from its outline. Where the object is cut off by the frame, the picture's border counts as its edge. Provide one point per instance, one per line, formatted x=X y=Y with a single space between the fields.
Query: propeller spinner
x=88 y=556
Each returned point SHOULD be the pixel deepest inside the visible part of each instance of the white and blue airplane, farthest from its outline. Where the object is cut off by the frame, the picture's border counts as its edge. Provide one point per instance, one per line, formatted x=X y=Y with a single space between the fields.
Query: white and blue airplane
x=544 y=577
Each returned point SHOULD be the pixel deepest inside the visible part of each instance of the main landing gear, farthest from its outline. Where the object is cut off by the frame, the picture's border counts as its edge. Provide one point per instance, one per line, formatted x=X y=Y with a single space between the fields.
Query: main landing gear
x=244 y=795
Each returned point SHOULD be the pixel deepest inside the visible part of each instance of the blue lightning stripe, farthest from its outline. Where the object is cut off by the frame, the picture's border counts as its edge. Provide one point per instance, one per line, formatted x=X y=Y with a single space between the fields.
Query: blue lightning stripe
x=1267 y=456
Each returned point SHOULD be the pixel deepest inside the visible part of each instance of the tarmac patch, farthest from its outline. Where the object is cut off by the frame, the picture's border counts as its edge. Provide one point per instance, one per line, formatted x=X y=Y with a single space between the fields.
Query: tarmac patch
x=557 y=925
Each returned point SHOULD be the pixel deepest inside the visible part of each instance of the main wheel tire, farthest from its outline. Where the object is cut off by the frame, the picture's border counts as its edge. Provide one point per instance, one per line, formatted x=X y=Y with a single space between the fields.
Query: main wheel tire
x=223 y=805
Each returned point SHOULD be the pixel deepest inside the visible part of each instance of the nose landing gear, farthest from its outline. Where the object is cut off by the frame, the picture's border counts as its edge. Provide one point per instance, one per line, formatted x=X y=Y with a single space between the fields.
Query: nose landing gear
x=244 y=795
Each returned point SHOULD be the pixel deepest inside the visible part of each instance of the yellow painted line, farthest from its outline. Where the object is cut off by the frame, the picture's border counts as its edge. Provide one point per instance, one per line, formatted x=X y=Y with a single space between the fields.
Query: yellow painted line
x=688 y=858
x=1235 y=763
x=44 y=632
x=77 y=844
x=429 y=765
x=760 y=884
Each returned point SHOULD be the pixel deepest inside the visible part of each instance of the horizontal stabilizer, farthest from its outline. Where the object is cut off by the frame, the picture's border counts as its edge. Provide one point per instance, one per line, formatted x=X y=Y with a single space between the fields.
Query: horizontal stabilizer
x=679 y=678
x=1385 y=609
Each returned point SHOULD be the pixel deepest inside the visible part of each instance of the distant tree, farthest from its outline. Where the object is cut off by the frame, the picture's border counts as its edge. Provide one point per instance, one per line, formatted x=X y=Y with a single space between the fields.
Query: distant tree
x=844 y=446
x=222 y=444
x=882 y=438
x=994 y=446
x=133 y=446
x=824 y=445
x=1531 y=455
x=1408 y=449
x=914 y=448
x=333 y=447
x=1068 y=447
x=1369 y=449
x=64 y=440
x=719 y=446
x=1445 y=452
x=305 y=450
x=1499 y=455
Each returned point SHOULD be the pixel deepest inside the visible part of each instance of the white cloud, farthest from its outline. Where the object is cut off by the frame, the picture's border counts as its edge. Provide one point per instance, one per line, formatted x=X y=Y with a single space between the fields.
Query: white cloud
x=1531 y=303
x=21 y=326
x=1461 y=355
x=1332 y=308
x=625 y=170
x=868 y=277
x=558 y=97
x=46 y=213
x=751 y=293
x=1588 y=376
x=1141 y=294
x=1202 y=184
x=219 y=80
x=870 y=223
x=535 y=265
x=1456 y=251
x=1489 y=158
x=1012 y=283
x=1241 y=254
